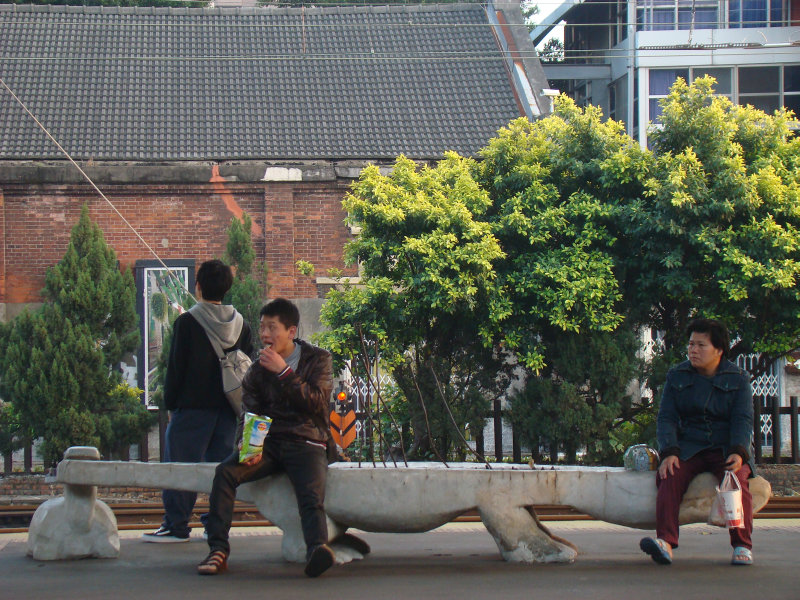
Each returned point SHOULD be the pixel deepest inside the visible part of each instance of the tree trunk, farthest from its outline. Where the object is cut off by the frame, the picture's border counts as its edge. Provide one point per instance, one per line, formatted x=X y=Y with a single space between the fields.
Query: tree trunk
x=28 y=456
x=570 y=453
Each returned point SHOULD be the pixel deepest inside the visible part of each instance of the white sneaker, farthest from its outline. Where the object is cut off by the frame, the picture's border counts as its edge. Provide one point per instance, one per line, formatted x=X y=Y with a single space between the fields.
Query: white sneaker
x=163 y=536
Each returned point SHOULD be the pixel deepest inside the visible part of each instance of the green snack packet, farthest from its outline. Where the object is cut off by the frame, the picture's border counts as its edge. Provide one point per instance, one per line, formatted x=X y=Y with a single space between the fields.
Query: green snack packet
x=255 y=430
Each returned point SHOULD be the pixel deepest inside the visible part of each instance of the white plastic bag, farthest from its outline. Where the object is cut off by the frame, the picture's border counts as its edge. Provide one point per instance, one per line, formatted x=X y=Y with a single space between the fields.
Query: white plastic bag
x=729 y=499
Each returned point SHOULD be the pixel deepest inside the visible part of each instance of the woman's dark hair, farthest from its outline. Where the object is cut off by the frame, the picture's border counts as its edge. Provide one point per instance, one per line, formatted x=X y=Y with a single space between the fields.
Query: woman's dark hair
x=215 y=278
x=718 y=333
x=285 y=310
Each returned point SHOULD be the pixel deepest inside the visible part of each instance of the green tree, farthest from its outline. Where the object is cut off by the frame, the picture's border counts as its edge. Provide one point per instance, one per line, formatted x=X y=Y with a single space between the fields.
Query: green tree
x=715 y=230
x=563 y=243
x=530 y=10
x=88 y=288
x=60 y=363
x=553 y=197
x=581 y=397
x=552 y=200
x=552 y=51
x=159 y=306
x=11 y=433
x=426 y=300
x=705 y=224
x=159 y=309
x=250 y=287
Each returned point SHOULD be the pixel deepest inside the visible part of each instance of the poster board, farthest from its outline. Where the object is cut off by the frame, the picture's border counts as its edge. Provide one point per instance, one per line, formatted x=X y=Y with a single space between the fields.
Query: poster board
x=161 y=297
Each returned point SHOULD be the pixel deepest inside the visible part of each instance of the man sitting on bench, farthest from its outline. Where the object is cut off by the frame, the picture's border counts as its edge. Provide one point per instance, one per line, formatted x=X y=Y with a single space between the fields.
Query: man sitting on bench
x=291 y=383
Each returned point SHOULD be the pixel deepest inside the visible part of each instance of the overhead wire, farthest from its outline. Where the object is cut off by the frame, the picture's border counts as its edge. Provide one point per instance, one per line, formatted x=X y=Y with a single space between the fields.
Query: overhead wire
x=570 y=54
x=304 y=24
x=406 y=24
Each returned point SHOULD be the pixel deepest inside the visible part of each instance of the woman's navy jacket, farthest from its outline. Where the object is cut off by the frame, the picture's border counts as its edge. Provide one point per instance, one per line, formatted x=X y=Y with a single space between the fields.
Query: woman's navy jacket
x=700 y=412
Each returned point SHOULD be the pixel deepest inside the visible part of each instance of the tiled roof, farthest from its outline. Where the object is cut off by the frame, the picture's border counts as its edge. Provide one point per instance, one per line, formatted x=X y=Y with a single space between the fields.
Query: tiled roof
x=286 y=83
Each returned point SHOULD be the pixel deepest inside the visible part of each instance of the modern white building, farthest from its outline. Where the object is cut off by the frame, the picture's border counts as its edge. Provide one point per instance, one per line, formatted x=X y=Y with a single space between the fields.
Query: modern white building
x=624 y=56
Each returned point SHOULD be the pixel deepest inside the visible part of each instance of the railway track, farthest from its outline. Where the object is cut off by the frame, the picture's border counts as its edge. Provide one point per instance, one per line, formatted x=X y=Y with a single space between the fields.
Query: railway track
x=15 y=518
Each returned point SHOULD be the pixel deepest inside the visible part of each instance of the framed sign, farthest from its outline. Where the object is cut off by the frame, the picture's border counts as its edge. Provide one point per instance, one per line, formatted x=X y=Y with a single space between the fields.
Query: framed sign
x=161 y=297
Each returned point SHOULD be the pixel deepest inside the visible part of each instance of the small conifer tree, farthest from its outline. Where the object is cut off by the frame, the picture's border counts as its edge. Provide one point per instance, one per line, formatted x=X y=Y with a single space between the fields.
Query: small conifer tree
x=89 y=288
x=60 y=363
x=250 y=287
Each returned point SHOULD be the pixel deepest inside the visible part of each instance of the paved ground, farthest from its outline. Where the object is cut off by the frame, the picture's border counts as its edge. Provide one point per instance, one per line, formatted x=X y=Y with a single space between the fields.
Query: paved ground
x=456 y=561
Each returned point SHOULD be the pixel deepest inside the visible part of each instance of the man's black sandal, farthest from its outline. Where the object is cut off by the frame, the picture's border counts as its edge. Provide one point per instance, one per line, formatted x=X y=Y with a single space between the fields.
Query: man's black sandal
x=215 y=563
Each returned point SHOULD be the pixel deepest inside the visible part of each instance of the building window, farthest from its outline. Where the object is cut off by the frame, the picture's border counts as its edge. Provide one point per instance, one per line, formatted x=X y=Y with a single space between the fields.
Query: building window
x=724 y=77
x=656 y=15
x=755 y=13
x=622 y=20
x=760 y=87
x=791 y=89
x=664 y=15
x=660 y=82
x=582 y=93
x=701 y=16
x=766 y=88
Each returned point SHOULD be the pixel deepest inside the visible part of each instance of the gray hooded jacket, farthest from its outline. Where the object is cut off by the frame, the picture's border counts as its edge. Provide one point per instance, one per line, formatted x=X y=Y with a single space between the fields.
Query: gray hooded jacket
x=193 y=379
x=222 y=322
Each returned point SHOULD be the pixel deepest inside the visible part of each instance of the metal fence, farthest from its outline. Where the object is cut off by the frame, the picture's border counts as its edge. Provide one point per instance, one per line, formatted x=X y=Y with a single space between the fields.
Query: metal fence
x=767 y=413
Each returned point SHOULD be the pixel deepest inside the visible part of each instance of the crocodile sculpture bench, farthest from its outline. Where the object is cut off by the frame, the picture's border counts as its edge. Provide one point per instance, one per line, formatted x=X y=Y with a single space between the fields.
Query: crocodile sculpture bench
x=375 y=498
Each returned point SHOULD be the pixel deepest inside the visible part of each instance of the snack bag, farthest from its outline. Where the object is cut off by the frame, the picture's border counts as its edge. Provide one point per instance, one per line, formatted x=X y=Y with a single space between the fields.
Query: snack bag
x=253 y=434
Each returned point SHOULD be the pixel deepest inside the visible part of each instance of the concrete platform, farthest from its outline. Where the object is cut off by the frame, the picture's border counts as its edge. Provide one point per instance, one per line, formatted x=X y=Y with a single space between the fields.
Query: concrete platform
x=455 y=561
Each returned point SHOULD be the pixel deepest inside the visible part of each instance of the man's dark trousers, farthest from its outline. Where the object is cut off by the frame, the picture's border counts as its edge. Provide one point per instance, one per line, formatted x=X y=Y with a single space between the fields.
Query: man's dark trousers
x=304 y=462
x=194 y=435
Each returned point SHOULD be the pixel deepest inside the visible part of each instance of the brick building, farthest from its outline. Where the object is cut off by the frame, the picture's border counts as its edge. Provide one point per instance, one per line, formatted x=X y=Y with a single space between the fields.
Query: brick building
x=186 y=118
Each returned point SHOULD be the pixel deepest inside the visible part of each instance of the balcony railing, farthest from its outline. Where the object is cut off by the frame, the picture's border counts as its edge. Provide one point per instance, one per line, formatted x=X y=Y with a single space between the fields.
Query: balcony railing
x=670 y=15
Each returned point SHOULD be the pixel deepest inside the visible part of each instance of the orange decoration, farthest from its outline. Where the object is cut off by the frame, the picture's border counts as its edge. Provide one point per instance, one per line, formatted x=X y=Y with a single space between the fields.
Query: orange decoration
x=343 y=428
